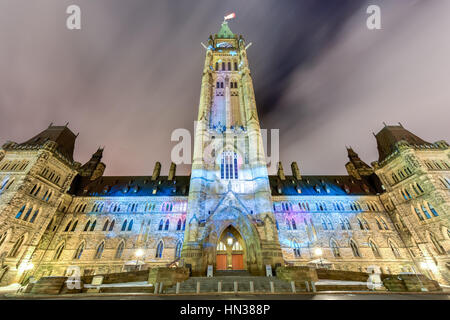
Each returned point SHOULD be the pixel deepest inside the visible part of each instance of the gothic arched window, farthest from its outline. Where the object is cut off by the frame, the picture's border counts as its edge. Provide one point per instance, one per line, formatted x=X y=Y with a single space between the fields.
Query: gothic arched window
x=79 y=251
x=58 y=252
x=355 y=249
x=16 y=247
x=178 y=249
x=119 y=250
x=124 y=225
x=179 y=224
x=111 y=226
x=93 y=225
x=374 y=248
x=161 y=224
x=159 y=250
x=166 y=227
x=19 y=214
x=99 y=252
x=130 y=225
x=335 y=249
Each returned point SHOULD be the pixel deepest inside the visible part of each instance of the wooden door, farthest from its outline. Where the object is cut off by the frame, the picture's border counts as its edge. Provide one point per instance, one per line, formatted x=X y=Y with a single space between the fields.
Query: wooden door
x=221 y=262
x=238 y=261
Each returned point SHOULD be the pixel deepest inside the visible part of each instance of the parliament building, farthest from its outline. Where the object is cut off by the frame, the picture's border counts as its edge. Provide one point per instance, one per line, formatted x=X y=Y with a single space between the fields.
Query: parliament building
x=229 y=213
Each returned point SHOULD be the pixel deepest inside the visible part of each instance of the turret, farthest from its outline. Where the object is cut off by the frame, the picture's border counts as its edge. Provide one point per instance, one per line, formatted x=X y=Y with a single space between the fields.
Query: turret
x=94 y=168
x=295 y=171
x=172 y=170
x=156 y=171
x=356 y=167
x=281 y=171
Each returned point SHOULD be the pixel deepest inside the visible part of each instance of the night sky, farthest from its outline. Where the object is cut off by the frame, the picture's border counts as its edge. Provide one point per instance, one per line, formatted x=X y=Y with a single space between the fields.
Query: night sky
x=132 y=74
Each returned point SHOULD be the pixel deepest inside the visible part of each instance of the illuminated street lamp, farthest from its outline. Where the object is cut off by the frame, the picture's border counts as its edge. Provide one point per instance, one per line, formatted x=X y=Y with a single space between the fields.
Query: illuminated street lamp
x=139 y=253
x=318 y=252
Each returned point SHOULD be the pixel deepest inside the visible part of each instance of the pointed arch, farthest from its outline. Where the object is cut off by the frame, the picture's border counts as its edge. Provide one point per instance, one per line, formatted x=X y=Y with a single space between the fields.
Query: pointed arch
x=79 y=251
x=437 y=246
x=161 y=224
x=59 y=251
x=19 y=214
x=105 y=226
x=35 y=214
x=394 y=249
x=111 y=226
x=99 y=251
x=335 y=248
x=375 y=250
x=355 y=249
x=17 y=246
x=86 y=227
x=178 y=248
x=166 y=226
x=130 y=225
x=68 y=226
x=159 y=249
x=119 y=250
x=179 y=224
x=93 y=225
x=124 y=225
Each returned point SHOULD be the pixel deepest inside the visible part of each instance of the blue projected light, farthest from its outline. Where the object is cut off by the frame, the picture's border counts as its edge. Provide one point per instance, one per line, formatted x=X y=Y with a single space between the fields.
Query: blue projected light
x=233 y=53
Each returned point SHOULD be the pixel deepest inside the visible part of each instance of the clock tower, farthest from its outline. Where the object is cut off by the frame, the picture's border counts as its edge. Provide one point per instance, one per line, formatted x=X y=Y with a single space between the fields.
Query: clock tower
x=230 y=222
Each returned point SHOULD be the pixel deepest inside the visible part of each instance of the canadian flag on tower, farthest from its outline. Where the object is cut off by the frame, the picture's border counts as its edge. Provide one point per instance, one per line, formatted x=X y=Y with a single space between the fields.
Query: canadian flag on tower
x=230 y=16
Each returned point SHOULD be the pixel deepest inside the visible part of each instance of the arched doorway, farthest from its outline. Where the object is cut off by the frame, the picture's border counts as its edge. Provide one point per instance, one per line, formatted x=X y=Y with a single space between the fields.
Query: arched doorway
x=230 y=251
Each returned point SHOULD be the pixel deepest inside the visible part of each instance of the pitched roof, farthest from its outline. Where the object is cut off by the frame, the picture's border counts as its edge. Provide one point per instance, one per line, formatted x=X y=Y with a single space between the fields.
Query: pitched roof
x=62 y=135
x=389 y=136
x=130 y=186
x=225 y=32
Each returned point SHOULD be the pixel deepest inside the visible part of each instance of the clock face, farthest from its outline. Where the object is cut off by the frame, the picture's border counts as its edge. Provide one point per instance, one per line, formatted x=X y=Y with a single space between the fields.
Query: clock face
x=224 y=45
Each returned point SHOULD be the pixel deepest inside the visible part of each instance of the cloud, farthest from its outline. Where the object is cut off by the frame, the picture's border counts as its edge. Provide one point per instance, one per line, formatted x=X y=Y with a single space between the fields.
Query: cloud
x=132 y=74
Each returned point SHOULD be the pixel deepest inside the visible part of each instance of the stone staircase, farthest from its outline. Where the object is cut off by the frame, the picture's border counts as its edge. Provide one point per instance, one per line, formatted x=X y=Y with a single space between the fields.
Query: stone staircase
x=260 y=284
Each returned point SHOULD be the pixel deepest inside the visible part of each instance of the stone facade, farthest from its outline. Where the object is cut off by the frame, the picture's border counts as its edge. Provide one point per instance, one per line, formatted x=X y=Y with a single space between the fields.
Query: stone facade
x=58 y=217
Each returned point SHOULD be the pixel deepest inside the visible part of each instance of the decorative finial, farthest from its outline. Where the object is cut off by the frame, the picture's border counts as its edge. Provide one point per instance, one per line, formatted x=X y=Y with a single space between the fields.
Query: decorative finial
x=66 y=124
x=51 y=123
x=400 y=124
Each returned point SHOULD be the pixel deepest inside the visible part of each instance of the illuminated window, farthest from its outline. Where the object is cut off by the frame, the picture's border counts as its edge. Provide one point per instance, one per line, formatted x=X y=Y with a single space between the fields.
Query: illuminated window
x=237 y=246
x=19 y=214
x=433 y=211
x=425 y=211
x=229 y=166
x=221 y=246
x=124 y=225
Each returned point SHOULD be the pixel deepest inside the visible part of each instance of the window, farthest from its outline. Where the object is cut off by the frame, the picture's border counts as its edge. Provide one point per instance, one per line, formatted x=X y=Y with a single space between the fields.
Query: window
x=374 y=248
x=19 y=214
x=437 y=246
x=426 y=212
x=394 y=250
x=130 y=225
x=355 y=249
x=237 y=246
x=36 y=212
x=294 y=225
x=235 y=66
x=229 y=66
x=99 y=252
x=111 y=226
x=433 y=211
x=166 y=227
x=93 y=225
x=379 y=225
x=25 y=218
x=229 y=166
x=324 y=224
x=179 y=224
x=79 y=251
x=161 y=223
x=419 y=214
x=68 y=226
x=124 y=225
x=384 y=224
x=119 y=250
x=297 y=252
x=16 y=247
x=58 y=252
x=335 y=249
x=159 y=250
x=178 y=249
x=221 y=246
x=86 y=227
x=105 y=226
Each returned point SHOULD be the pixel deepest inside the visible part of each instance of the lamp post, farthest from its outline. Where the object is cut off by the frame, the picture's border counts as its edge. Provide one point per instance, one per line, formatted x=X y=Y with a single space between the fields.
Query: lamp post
x=139 y=253
x=319 y=253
